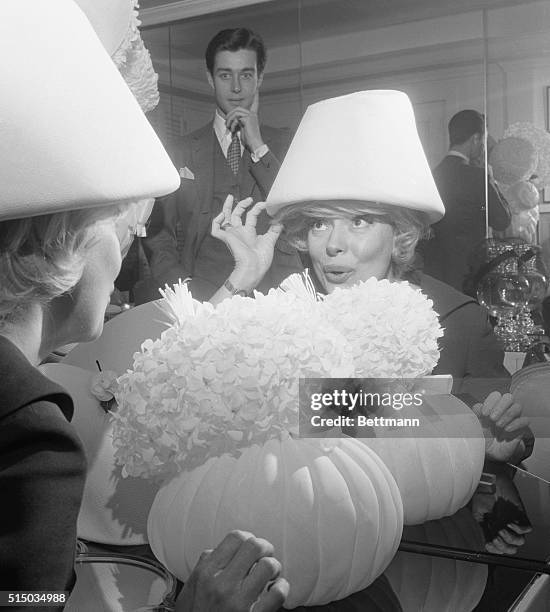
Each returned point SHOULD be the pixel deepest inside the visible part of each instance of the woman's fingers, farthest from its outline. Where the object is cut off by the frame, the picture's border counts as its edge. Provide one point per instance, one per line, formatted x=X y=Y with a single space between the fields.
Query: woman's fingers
x=253 y=213
x=511 y=538
x=272 y=599
x=517 y=424
x=509 y=414
x=265 y=571
x=232 y=216
x=519 y=529
x=249 y=553
x=225 y=553
x=498 y=547
x=237 y=214
x=503 y=408
x=274 y=232
x=217 y=230
x=490 y=403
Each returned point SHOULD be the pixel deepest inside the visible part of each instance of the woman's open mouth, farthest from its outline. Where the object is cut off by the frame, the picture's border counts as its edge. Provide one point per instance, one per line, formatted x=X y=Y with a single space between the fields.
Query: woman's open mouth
x=337 y=274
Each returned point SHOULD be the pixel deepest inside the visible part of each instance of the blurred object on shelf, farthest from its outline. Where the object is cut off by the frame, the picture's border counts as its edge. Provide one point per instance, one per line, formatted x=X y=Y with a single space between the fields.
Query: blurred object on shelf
x=511 y=284
x=503 y=290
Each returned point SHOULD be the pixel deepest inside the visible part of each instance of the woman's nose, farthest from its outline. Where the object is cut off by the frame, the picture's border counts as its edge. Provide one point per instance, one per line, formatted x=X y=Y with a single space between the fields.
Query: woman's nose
x=336 y=242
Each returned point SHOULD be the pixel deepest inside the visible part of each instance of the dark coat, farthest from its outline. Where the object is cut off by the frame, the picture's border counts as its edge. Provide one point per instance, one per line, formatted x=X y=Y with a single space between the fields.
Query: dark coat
x=469 y=348
x=42 y=473
x=450 y=252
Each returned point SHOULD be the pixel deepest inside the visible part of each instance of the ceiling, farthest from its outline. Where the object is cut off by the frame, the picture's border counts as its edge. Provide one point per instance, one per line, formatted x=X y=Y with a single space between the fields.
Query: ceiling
x=281 y=23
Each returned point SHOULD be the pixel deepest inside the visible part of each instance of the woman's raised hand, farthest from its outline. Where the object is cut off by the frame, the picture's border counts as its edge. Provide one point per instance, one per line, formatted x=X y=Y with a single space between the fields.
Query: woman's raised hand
x=253 y=253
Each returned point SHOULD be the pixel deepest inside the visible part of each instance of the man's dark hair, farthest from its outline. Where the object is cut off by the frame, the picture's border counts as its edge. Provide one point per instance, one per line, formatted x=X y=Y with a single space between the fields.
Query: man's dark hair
x=464 y=124
x=234 y=40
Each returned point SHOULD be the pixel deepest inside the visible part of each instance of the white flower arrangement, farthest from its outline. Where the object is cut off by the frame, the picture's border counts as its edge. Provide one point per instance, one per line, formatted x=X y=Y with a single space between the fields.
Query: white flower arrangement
x=540 y=139
x=223 y=378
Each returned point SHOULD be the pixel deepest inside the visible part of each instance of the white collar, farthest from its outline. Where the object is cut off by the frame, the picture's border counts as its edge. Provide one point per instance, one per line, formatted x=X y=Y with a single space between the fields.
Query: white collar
x=454 y=153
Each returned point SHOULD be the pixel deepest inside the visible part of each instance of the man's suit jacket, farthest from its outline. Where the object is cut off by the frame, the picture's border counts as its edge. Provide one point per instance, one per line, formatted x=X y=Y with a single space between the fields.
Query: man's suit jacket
x=191 y=207
x=462 y=189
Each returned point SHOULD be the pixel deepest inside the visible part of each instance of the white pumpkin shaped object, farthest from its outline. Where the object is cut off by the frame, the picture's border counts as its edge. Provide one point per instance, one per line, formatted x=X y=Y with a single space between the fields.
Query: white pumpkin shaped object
x=330 y=507
x=433 y=584
x=436 y=474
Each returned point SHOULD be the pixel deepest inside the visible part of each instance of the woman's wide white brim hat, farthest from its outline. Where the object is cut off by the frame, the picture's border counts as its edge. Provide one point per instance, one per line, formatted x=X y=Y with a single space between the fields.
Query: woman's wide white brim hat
x=364 y=147
x=72 y=135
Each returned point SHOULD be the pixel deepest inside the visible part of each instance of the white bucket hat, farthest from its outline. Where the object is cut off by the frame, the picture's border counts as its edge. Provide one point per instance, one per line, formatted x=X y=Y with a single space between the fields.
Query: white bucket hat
x=72 y=135
x=362 y=146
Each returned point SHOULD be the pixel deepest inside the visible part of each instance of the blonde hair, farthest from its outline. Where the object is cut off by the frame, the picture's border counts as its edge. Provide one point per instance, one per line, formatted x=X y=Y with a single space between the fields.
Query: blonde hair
x=43 y=257
x=409 y=225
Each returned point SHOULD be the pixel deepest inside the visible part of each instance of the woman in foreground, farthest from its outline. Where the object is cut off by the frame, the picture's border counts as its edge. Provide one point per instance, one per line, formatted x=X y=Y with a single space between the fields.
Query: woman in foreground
x=69 y=206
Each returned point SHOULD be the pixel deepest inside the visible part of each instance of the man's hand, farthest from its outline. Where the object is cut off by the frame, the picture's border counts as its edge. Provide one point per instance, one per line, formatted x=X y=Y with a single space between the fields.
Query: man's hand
x=248 y=123
x=503 y=425
x=240 y=574
x=253 y=254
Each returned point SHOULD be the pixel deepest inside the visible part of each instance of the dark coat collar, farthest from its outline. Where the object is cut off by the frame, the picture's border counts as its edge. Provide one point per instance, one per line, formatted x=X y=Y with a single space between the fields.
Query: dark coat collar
x=22 y=384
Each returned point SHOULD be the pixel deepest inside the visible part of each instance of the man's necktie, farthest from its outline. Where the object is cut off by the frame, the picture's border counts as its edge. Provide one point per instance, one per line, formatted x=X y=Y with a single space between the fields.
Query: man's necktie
x=234 y=153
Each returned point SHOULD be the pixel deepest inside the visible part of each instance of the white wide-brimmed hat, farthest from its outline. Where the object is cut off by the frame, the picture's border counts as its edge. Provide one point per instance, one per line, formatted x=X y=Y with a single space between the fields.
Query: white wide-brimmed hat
x=72 y=135
x=362 y=146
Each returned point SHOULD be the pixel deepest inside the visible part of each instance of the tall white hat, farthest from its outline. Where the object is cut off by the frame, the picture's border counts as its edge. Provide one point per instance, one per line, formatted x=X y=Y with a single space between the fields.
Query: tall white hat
x=72 y=135
x=362 y=146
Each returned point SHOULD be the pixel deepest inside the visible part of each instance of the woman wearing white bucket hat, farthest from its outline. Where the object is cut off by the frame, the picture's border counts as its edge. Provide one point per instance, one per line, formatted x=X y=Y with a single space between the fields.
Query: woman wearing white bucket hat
x=79 y=167
x=354 y=194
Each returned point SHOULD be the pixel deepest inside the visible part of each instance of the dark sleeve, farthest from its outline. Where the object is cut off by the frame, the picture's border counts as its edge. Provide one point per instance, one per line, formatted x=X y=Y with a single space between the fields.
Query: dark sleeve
x=499 y=210
x=42 y=472
x=265 y=170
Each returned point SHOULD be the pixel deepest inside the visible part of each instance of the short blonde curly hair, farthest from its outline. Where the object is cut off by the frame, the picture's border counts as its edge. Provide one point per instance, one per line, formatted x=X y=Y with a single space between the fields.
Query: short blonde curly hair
x=409 y=225
x=43 y=257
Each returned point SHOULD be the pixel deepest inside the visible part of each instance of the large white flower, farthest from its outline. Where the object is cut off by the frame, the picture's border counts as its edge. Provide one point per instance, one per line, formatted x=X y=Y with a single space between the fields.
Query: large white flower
x=391 y=327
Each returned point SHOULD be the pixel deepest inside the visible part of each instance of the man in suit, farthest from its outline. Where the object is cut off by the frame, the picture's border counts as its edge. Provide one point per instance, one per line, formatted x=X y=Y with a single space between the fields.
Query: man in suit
x=234 y=155
x=461 y=184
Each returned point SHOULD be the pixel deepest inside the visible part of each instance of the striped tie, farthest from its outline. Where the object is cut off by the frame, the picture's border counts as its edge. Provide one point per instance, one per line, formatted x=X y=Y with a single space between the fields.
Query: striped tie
x=234 y=153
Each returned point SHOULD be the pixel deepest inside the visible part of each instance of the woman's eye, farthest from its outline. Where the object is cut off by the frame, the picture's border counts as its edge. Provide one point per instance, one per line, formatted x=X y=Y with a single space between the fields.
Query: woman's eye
x=360 y=222
x=319 y=225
